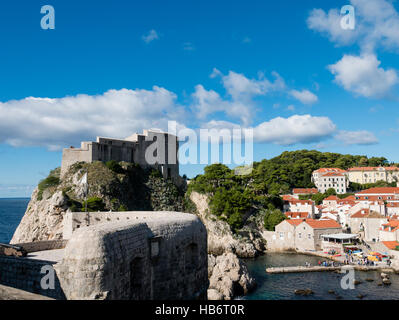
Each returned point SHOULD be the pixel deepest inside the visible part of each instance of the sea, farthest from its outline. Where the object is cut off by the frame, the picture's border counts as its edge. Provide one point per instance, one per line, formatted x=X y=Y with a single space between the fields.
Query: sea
x=11 y=213
x=325 y=285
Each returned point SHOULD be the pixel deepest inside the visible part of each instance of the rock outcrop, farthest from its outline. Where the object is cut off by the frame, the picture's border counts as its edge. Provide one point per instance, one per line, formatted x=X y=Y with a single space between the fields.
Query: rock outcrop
x=220 y=238
x=228 y=277
x=132 y=188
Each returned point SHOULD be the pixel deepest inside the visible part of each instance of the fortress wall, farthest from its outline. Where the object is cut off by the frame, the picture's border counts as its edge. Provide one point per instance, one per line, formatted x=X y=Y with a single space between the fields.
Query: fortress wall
x=25 y=274
x=42 y=245
x=73 y=155
x=162 y=257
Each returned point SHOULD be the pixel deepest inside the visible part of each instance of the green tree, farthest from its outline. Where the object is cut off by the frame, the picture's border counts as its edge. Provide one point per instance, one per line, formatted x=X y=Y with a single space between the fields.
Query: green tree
x=273 y=218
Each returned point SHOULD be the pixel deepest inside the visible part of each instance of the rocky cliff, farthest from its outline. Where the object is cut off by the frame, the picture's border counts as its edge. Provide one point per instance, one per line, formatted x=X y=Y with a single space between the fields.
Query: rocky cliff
x=120 y=187
x=228 y=274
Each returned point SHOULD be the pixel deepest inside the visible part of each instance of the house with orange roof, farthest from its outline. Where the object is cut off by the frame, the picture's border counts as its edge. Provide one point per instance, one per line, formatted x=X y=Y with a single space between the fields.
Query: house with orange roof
x=364 y=175
x=392 y=208
x=308 y=234
x=390 y=231
x=283 y=238
x=327 y=178
x=367 y=224
x=300 y=234
x=297 y=215
x=296 y=192
x=295 y=205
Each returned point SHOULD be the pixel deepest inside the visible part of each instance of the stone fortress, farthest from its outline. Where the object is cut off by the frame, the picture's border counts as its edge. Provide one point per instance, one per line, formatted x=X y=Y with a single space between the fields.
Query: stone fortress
x=153 y=149
x=129 y=255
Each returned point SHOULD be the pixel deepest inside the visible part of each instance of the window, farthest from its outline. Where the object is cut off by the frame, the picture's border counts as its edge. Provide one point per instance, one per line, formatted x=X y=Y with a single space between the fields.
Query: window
x=309 y=236
x=299 y=235
x=281 y=235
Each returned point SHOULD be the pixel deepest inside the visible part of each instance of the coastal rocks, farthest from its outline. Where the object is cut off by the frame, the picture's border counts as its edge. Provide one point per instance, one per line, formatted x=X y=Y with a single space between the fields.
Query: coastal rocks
x=220 y=237
x=303 y=292
x=228 y=277
x=135 y=189
x=42 y=220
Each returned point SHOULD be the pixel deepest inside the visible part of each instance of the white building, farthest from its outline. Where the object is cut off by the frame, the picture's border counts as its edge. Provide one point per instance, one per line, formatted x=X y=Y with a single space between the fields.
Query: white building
x=326 y=178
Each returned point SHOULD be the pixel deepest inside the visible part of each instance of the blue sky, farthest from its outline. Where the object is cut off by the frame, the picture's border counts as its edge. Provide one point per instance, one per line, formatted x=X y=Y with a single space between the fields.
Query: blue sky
x=284 y=68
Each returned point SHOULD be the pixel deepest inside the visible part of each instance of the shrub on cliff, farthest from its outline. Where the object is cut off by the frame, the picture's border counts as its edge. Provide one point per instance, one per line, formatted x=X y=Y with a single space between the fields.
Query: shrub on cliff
x=114 y=166
x=50 y=181
x=93 y=204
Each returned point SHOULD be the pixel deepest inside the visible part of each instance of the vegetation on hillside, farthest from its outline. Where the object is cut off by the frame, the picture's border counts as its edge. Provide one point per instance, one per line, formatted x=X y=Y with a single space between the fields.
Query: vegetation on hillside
x=234 y=197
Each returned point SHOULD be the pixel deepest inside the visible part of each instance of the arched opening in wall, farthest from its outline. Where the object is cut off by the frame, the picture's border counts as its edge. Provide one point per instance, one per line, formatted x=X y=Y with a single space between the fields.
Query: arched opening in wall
x=191 y=258
x=137 y=279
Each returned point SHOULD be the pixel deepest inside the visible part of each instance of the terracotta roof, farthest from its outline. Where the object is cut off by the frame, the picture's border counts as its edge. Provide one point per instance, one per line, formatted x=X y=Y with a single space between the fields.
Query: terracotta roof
x=333 y=174
x=382 y=190
x=295 y=201
x=294 y=222
x=366 y=213
x=394 y=225
x=372 y=168
x=304 y=191
x=331 y=198
x=391 y=244
x=392 y=205
x=323 y=224
x=321 y=170
x=297 y=215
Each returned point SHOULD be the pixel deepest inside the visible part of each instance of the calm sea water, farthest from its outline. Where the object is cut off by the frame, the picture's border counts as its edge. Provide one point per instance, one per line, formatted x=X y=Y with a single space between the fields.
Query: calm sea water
x=11 y=213
x=282 y=286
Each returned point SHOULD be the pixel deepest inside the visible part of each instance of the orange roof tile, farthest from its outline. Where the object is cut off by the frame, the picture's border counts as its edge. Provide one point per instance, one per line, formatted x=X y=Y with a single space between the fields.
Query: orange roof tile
x=366 y=213
x=297 y=215
x=304 y=191
x=294 y=222
x=391 y=244
x=322 y=224
x=321 y=170
x=382 y=190
x=331 y=198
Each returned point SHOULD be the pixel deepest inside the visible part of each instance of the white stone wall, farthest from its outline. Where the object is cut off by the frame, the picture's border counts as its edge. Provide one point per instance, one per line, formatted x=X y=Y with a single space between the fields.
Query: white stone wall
x=159 y=255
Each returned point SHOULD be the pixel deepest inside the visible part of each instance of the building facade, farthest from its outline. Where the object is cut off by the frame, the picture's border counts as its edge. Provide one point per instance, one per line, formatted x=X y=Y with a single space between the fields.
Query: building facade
x=327 y=178
x=153 y=149
x=364 y=175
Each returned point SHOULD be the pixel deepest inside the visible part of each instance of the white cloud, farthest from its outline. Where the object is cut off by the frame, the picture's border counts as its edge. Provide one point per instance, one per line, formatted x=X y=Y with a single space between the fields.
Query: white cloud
x=239 y=87
x=363 y=76
x=295 y=129
x=150 y=36
x=362 y=137
x=329 y=24
x=54 y=123
x=304 y=96
x=377 y=24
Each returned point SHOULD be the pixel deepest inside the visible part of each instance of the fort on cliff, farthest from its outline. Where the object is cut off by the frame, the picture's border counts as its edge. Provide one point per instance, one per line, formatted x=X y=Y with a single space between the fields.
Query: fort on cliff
x=153 y=149
x=130 y=255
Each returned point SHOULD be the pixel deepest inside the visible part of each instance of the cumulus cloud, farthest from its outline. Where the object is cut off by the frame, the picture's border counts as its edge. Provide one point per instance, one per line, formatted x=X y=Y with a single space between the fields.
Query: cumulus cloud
x=363 y=76
x=304 y=96
x=329 y=24
x=295 y=129
x=150 y=36
x=362 y=137
x=377 y=24
x=54 y=123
